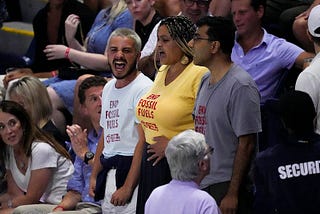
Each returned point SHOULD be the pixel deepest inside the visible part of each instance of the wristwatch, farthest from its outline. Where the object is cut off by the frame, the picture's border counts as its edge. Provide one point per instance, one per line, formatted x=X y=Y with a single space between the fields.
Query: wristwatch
x=88 y=156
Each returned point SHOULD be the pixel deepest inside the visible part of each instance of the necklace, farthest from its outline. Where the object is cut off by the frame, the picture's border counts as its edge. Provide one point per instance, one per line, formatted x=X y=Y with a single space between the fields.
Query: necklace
x=22 y=165
x=21 y=162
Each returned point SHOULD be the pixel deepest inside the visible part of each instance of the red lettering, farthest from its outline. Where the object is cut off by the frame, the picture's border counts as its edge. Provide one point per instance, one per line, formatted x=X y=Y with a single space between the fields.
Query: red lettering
x=147 y=104
x=153 y=96
x=112 y=138
x=200 y=129
x=112 y=114
x=145 y=113
x=114 y=103
x=202 y=110
x=151 y=126
x=200 y=120
x=112 y=124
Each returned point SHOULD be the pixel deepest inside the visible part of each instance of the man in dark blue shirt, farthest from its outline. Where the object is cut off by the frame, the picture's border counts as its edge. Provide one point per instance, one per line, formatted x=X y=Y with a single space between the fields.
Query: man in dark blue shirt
x=287 y=175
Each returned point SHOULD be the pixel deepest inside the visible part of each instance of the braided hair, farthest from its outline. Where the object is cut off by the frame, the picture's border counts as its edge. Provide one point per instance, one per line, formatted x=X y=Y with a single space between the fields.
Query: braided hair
x=182 y=30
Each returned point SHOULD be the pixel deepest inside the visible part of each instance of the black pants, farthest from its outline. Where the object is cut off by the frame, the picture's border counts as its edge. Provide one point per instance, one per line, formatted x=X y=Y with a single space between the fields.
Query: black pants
x=150 y=178
x=245 y=199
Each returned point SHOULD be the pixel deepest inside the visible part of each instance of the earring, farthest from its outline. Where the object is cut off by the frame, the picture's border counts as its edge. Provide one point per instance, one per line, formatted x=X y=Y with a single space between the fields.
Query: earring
x=184 y=60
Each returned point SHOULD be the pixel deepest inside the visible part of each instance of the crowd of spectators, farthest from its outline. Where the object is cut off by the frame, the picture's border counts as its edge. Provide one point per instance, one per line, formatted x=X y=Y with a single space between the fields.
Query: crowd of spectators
x=164 y=106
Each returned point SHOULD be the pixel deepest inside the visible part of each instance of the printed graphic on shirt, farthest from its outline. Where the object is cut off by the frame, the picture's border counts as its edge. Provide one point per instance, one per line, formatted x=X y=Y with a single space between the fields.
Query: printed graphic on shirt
x=299 y=169
x=200 y=120
x=146 y=108
x=112 y=121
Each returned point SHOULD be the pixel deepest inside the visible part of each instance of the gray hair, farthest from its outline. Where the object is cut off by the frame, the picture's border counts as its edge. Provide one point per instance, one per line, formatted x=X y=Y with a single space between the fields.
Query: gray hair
x=184 y=151
x=128 y=33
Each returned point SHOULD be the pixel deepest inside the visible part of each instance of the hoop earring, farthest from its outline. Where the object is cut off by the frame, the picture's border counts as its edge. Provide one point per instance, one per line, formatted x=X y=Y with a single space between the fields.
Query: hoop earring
x=184 y=60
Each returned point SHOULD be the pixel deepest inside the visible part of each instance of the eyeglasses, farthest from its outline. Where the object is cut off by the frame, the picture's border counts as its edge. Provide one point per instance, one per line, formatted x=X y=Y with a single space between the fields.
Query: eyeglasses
x=197 y=37
x=201 y=3
x=12 y=123
x=208 y=152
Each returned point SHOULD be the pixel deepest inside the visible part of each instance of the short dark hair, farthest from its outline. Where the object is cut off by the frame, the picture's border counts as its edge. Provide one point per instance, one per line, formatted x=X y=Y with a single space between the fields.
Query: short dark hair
x=220 y=29
x=298 y=112
x=87 y=83
x=257 y=3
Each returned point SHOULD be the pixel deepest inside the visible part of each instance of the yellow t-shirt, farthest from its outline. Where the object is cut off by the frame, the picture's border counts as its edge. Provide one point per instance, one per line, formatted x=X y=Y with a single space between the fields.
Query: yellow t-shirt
x=167 y=110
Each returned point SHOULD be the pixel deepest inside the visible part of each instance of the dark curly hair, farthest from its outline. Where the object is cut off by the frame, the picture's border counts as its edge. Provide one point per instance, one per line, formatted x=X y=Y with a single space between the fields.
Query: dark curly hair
x=89 y=82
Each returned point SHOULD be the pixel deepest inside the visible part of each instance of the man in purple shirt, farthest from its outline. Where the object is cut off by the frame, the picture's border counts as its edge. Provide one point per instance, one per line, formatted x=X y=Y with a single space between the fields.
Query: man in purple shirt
x=188 y=157
x=264 y=56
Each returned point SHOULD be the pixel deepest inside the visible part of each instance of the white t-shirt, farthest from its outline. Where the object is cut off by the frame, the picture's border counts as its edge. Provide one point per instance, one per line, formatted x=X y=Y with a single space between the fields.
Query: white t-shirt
x=118 y=118
x=151 y=44
x=44 y=156
x=308 y=81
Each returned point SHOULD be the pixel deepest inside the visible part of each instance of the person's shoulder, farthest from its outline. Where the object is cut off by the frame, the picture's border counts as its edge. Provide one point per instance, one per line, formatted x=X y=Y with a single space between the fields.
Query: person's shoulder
x=143 y=79
x=40 y=147
x=40 y=144
x=41 y=13
x=270 y=154
x=125 y=15
x=278 y=44
x=311 y=73
x=110 y=83
x=197 y=68
x=240 y=75
x=195 y=72
x=160 y=189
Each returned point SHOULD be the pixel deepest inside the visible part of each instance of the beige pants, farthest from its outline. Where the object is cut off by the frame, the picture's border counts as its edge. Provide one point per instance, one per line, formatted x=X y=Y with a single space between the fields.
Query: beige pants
x=82 y=208
x=107 y=207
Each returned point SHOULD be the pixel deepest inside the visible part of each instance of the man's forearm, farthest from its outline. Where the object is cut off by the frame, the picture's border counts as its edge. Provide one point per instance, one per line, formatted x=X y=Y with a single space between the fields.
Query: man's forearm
x=134 y=172
x=97 y=167
x=242 y=161
x=98 y=62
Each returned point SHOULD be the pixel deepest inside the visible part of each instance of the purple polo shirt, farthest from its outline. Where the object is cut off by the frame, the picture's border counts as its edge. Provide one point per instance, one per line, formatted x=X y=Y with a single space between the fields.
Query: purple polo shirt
x=180 y=197
x=266 y=62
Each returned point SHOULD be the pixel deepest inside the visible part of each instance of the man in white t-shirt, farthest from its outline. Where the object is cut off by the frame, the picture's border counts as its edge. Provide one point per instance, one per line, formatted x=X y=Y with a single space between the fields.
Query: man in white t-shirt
x=121 y=131
x=309 y=80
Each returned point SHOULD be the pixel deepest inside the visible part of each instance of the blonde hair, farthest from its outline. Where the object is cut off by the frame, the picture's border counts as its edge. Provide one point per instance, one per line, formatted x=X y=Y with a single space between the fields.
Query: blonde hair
x=116 y=9
x=34 y=94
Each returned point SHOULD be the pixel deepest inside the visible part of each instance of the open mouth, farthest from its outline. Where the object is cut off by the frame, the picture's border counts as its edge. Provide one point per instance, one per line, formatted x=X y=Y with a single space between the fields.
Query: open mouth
x=119 y=65
x=161 y=53
x=11 y=138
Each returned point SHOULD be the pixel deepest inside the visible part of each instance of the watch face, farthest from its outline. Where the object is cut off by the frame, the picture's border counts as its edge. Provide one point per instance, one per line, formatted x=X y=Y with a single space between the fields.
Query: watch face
x=89 y=155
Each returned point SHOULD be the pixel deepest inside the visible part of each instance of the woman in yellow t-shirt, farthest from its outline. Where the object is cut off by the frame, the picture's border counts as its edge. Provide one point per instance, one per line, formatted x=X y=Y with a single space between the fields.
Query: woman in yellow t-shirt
x=166 y=109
